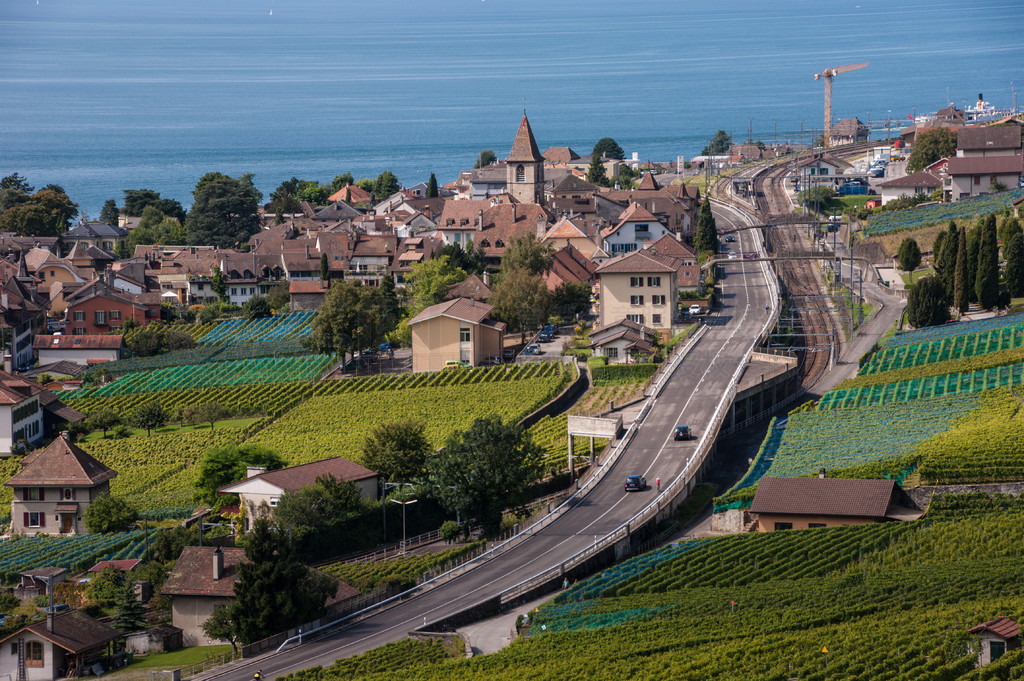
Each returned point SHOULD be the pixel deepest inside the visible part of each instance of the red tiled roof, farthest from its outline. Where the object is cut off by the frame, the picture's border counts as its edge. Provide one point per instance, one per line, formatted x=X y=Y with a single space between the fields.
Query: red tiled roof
x=459 y=308
x=1000 y=626
x=61 y=463
x=85 y=342
x=307 y=287
x=921 y=179
x=295 y=478
x=356 y=194
x=14 y=389
x=560 y=155
x=823 y=496
x=193 y=573
x=637 y=261
x=648 y=182
x=524 y=148
x=122 y=565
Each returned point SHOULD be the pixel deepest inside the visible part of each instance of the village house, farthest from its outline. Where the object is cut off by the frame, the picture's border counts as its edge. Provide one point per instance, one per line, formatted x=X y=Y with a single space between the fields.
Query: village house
x=412 y=251
x=474 y=287
x=635 y=226
x=924 y=182
x=800 y=503
x=848 y=131
x=267 y=487
x=997 y=637
x=641 y=287
x=987 y=141
x=38 y=581
x=203 y=579
x=573 y=232
x=98 y=234
x=98 y=307
x=688 y=273
x=980 y=175
x=67 y=645
x=622 y=341
x=455 y=330
x=23 y=311
x=817 y=170
x=54 y=487
x=84 y=350
x=22 y=416
x=307 y=295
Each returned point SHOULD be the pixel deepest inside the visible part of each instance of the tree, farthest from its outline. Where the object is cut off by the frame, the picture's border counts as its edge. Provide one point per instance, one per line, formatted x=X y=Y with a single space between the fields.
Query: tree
x=106 y=588
x=256 y=307
x=327 y=499
x=521 y=300
x=471 y=260
x=945 y=251
x=109 y=214
x=485 y=159
x=705 y=240
x=109 y=514
x=223 y=465
x=220 y=626
x=131 y=614
x=973 y=253
x=223 y=212
x=987 y=283
x=274 y=592
x=147 y=416
x=18 y=182
x=817 y=196
x=429 y=282
x=386 y=184
x=397 y=450
x=335 y=324
x=571 y=298
x=961 y=284
x=718 y=145
x=104 y=420
x=526 y=252
x=340 y=182
x=929 y=146
x=278 y=296
x=325 y=267
x=284 y=200
x=1013 y=251
x=431 y=187
x=485 y=470
x=48 y=212
x=909 y=254
x=926 y=303
x=608 y=148
x=218 y=285
x=211 y=412
x=312 y=192
x=596 y=172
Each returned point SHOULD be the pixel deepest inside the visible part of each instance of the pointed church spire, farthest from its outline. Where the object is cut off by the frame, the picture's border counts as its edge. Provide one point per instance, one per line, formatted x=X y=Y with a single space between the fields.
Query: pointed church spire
x=524 y=148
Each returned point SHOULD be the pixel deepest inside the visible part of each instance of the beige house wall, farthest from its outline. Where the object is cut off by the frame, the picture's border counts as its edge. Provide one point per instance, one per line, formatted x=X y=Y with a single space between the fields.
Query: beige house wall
x=436 y=341
x=83 y=497
x=616 y=292
x=53 y=659
x=962 y=186
x=766 y=521
x=189 y=613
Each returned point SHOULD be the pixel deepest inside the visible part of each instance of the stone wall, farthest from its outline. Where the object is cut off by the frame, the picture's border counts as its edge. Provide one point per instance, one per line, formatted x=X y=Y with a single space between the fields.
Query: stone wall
x=921 y=496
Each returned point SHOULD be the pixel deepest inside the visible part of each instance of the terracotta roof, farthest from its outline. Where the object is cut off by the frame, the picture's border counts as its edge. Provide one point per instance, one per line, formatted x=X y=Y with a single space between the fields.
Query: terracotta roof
x=1000 y=626
x=648 y=182
x=824 y=496
x=122 y=565
x=637 y=261
x=571 y=183
x=470 y=287
x=193 y=573
x=524 y=148
x=44 y=572
x=356 y=194
x=61 y=463
x=560 y=155
x=84 y=342
x=307 y=287
x=849 y=127
x=988 y=137
x=14 y=389
x=672 y=247
x=73 y=631
x=985 y=165
x=459 y=308
x=921 y=179
x=566 y=228
x=636 y=335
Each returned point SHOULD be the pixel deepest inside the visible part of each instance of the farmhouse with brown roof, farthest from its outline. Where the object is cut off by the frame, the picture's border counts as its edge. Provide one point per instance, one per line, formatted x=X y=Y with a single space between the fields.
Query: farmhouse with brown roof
x=455 y=330
x=54 y=487
x=83 y=349
x=61 y=646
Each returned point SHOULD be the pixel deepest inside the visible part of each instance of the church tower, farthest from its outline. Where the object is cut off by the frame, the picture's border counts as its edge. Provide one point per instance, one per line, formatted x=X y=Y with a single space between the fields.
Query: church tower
x=525 y=167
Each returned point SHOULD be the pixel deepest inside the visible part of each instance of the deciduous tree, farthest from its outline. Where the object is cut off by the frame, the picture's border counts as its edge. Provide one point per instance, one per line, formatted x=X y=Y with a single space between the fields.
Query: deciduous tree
x=223 y=212
x=256 y=307
x=109 y=514
x=608 y=148
x=521 y=300
x=485 y=158
x=223 y=465
x=526 y=252
x=486 y=470
x=386 y=184
x=929 y=146
x=718 y=145
x=147 y=416
x=397 y=450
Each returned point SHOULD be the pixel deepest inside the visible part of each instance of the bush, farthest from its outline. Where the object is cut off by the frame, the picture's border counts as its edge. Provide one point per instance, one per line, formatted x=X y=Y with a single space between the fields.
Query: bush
x=109 y=514
x=450 y=531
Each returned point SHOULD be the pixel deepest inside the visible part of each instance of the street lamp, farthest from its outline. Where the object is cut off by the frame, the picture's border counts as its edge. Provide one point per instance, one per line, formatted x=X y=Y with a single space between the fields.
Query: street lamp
x=404 y=504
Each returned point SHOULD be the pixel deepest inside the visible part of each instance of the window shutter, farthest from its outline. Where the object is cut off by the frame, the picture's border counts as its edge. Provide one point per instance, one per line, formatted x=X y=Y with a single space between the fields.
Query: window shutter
x=26 y=519
x=72 y=493
x=42 y=494
x=42 y=520
x=24 y=493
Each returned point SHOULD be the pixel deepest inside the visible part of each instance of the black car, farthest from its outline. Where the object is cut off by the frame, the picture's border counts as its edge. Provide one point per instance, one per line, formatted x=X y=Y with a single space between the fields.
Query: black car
x=636 y=482
x=682 y=433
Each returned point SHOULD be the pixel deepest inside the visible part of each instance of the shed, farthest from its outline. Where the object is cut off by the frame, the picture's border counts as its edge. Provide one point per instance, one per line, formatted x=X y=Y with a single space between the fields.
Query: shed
x=798 y=503
x=159 y=638
x=997 y=637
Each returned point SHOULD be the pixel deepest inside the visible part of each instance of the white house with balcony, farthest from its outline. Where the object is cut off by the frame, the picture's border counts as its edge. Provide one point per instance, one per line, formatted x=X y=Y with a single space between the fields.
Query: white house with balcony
x=635 y=226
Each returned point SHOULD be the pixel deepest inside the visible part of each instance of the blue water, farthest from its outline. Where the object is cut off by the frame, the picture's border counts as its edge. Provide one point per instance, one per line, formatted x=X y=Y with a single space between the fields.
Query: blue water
x=104 y=95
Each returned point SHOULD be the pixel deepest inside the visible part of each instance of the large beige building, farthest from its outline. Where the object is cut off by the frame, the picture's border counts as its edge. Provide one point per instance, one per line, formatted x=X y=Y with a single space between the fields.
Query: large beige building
x=641 y=287
x=459 y=330
x=203 y=579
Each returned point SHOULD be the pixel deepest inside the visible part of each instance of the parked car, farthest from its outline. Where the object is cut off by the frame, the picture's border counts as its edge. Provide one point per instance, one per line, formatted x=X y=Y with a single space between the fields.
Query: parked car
x=456 y=364
x=877 y=172
x=695 y=310
x=57 y=608
x=489 y=361
x=682 y=433
x=508 y=355
x=732 y=255
x=533 y=349
x=544 y=337
x=636 y=483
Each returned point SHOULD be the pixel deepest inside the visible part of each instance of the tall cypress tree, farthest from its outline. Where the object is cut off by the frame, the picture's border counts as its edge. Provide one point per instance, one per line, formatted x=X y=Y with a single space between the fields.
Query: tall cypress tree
x=961 y=297
x=431 y=187
x=706 y=238
x=1013 y=251
x=973 y=248
x=945 y=258
x=987 y=283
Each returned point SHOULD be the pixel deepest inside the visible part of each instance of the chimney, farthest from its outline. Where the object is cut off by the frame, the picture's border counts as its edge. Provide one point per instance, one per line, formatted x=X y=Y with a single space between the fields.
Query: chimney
x=480 y=220
x=487 y=278
x=513 y=212
x=8 y=362
x=66 y=434
x=251 y=471
x=109 y=276
x=3 y=299
x=218 y=564
x=542 y=226
x=821 y=474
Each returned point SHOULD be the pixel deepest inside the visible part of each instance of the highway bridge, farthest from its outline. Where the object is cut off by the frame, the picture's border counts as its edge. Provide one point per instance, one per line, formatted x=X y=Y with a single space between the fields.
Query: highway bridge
x=697 y=391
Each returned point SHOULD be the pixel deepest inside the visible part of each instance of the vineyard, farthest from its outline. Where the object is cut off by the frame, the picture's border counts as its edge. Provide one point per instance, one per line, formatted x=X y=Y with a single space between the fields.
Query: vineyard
x=240 y=372
x=78 y=551
x=888 y=601
x=398 y=571
x=292 y=326
x=934 y=333
x=551 y=433
x=204 y=354
x=916 y=218
x=962 y=346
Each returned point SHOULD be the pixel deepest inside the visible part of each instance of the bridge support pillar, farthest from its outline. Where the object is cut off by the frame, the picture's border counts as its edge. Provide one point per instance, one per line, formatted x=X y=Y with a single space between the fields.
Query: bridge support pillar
x=572 y=460
x=591 y=450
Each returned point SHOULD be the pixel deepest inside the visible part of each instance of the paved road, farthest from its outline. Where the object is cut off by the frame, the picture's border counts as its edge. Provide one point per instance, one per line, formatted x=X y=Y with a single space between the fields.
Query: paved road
x=690 y=396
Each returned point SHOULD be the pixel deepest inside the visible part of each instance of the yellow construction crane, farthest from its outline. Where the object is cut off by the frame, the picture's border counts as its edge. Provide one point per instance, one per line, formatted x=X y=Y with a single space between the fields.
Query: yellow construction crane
x=828 y=74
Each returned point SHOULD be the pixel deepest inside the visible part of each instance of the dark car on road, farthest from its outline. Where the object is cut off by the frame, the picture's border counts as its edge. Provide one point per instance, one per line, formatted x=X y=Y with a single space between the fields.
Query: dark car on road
x=636 y=482
x=682 y=433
